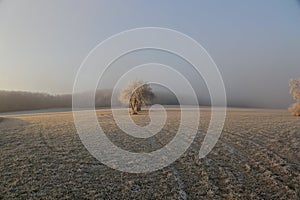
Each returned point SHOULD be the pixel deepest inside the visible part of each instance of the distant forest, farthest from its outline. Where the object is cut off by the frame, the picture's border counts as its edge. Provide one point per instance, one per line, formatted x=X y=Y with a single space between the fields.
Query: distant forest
x=21 y=101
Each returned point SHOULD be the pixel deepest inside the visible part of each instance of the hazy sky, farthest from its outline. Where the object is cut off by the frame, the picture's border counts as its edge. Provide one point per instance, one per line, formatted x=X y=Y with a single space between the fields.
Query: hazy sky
x=256 y=44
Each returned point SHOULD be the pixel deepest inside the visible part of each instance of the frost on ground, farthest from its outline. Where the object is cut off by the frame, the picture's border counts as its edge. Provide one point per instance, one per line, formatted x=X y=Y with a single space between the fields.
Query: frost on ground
x=257 y=157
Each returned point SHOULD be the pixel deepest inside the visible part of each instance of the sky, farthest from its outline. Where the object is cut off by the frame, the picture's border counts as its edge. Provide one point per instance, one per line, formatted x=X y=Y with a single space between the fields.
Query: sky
x=255 y=44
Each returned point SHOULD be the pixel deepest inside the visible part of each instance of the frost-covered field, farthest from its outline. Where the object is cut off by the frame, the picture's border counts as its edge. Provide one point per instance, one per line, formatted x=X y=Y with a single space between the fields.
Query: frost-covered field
x=257 y=157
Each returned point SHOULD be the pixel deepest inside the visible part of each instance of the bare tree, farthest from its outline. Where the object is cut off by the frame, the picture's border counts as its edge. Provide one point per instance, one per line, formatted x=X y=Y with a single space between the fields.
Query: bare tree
x=295 y=91
x=136 y=94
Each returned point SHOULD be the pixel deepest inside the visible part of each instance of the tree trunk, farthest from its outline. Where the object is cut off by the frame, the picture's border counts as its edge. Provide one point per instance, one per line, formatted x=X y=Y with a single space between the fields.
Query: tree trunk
x=139 y=107
x=133 y=108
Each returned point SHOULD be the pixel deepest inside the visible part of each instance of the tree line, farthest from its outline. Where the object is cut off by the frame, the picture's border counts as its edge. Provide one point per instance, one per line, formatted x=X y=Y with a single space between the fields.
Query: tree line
x=21 y=101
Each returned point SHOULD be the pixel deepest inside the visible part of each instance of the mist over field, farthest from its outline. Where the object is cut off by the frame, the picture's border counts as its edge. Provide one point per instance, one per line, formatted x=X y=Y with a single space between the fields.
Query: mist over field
x=21 y=101
x=25 y=100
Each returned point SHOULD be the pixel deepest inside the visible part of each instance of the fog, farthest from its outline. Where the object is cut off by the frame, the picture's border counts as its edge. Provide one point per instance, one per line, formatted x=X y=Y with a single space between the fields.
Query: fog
x=22 y=101
x=255 y=45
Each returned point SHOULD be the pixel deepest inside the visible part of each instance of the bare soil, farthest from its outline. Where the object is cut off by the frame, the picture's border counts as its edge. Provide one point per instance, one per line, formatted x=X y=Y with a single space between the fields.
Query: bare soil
x=257 y=157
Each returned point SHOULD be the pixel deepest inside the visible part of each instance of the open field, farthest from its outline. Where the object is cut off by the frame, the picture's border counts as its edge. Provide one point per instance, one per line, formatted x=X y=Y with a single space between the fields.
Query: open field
x=257 y=157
